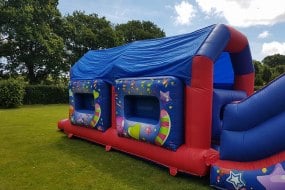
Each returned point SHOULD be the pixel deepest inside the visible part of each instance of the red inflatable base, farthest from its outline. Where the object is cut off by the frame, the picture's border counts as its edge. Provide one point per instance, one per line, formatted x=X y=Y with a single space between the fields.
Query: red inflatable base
x=189 y=160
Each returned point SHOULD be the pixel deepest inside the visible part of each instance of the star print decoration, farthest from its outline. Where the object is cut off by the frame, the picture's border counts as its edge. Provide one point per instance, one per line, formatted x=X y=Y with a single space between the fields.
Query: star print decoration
x=275 y=180
x=236 y=180
x=164 y=96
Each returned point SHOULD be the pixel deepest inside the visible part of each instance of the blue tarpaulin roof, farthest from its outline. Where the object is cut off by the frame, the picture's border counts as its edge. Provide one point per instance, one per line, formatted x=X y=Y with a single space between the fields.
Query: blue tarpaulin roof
x=171 y=56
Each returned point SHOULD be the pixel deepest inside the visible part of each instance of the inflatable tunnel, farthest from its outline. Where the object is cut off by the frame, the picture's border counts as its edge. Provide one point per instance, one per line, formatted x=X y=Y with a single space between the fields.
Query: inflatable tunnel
x=173 y=101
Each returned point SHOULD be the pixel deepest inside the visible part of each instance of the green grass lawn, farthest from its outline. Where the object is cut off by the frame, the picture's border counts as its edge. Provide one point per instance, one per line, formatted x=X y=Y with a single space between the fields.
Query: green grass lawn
x=35 y=155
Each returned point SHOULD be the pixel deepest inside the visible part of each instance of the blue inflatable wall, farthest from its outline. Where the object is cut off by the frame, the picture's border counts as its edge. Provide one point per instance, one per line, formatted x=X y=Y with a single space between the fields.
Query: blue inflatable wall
x=151 y=110
x=254 y=128
x=90 y=104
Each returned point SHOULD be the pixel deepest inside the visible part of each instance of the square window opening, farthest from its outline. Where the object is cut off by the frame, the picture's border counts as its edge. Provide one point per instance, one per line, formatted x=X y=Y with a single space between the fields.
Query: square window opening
x=144 y=109
x=84 y=102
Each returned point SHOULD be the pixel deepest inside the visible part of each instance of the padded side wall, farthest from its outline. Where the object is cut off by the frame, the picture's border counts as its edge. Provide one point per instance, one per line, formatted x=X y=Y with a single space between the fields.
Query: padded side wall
x=151 y=109
x=89 y=104
x=220 y=99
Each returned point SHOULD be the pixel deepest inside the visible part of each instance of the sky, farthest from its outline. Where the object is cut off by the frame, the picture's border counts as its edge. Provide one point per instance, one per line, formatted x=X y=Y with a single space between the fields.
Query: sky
x=262 y=21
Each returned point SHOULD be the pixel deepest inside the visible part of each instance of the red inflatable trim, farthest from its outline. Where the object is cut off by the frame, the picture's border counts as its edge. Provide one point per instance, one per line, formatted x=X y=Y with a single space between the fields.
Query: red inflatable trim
x=254 y=165
x=237 y=41
x=113 y=107
x=198 y=104
x=185 y=159
x=245 y=83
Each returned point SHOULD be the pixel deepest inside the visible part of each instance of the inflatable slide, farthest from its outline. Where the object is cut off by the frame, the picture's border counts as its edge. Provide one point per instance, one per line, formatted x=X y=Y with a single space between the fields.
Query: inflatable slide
x=252 y=143
x=185 y=102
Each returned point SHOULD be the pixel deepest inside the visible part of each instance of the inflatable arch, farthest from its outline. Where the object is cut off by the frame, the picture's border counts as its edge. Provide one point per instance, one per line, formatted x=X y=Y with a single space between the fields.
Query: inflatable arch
x=184 y=102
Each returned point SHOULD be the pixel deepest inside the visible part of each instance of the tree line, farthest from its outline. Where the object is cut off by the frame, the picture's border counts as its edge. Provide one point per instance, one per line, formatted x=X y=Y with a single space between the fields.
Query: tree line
x=268 y=69
x=41 y=44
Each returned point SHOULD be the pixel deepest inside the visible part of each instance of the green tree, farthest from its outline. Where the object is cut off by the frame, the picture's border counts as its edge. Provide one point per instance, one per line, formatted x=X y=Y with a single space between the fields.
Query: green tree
x=276 y=65
x=258 y=67
x=28 y=39
x=277 y=70
x=274 y=60
x=280 y=69
x=83 y=32
x=266 y=74
x=138 y=30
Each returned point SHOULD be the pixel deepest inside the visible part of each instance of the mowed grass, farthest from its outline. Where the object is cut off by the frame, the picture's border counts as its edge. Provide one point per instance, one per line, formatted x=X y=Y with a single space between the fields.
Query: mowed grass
x=35 y=155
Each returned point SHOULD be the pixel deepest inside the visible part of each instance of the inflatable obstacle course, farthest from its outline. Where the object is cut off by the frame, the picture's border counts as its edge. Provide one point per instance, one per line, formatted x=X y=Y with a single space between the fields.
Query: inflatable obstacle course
x=185 y=102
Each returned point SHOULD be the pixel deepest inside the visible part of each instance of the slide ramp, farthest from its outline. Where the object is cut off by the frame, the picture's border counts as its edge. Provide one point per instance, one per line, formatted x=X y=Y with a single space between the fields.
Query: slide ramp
x=255 y=127
x=252 y=143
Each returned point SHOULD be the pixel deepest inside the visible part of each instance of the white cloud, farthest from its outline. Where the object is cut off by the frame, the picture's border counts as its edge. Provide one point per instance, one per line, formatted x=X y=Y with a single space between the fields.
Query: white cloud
x=185 y=12
x=274 y=47
x=245 y=13
x=168 y=7
x=263 y=34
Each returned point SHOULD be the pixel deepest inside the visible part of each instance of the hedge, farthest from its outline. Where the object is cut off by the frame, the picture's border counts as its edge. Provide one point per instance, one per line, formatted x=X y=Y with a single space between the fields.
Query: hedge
x=45 y=94
x=11 y=93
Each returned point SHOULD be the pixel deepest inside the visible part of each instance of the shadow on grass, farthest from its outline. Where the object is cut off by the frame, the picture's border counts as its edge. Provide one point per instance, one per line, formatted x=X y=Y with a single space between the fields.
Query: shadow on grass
x=131 y=171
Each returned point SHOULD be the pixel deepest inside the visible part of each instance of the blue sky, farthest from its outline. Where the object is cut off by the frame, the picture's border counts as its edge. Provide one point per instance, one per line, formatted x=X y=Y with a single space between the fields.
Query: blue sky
x=262 y=21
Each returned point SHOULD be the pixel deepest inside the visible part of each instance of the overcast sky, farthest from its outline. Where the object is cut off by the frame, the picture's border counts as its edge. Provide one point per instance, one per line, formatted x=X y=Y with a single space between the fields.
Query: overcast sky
x=262 y=21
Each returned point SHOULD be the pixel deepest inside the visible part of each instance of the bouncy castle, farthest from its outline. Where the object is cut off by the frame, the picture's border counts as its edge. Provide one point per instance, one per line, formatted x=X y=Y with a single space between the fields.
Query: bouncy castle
x=186 y=102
